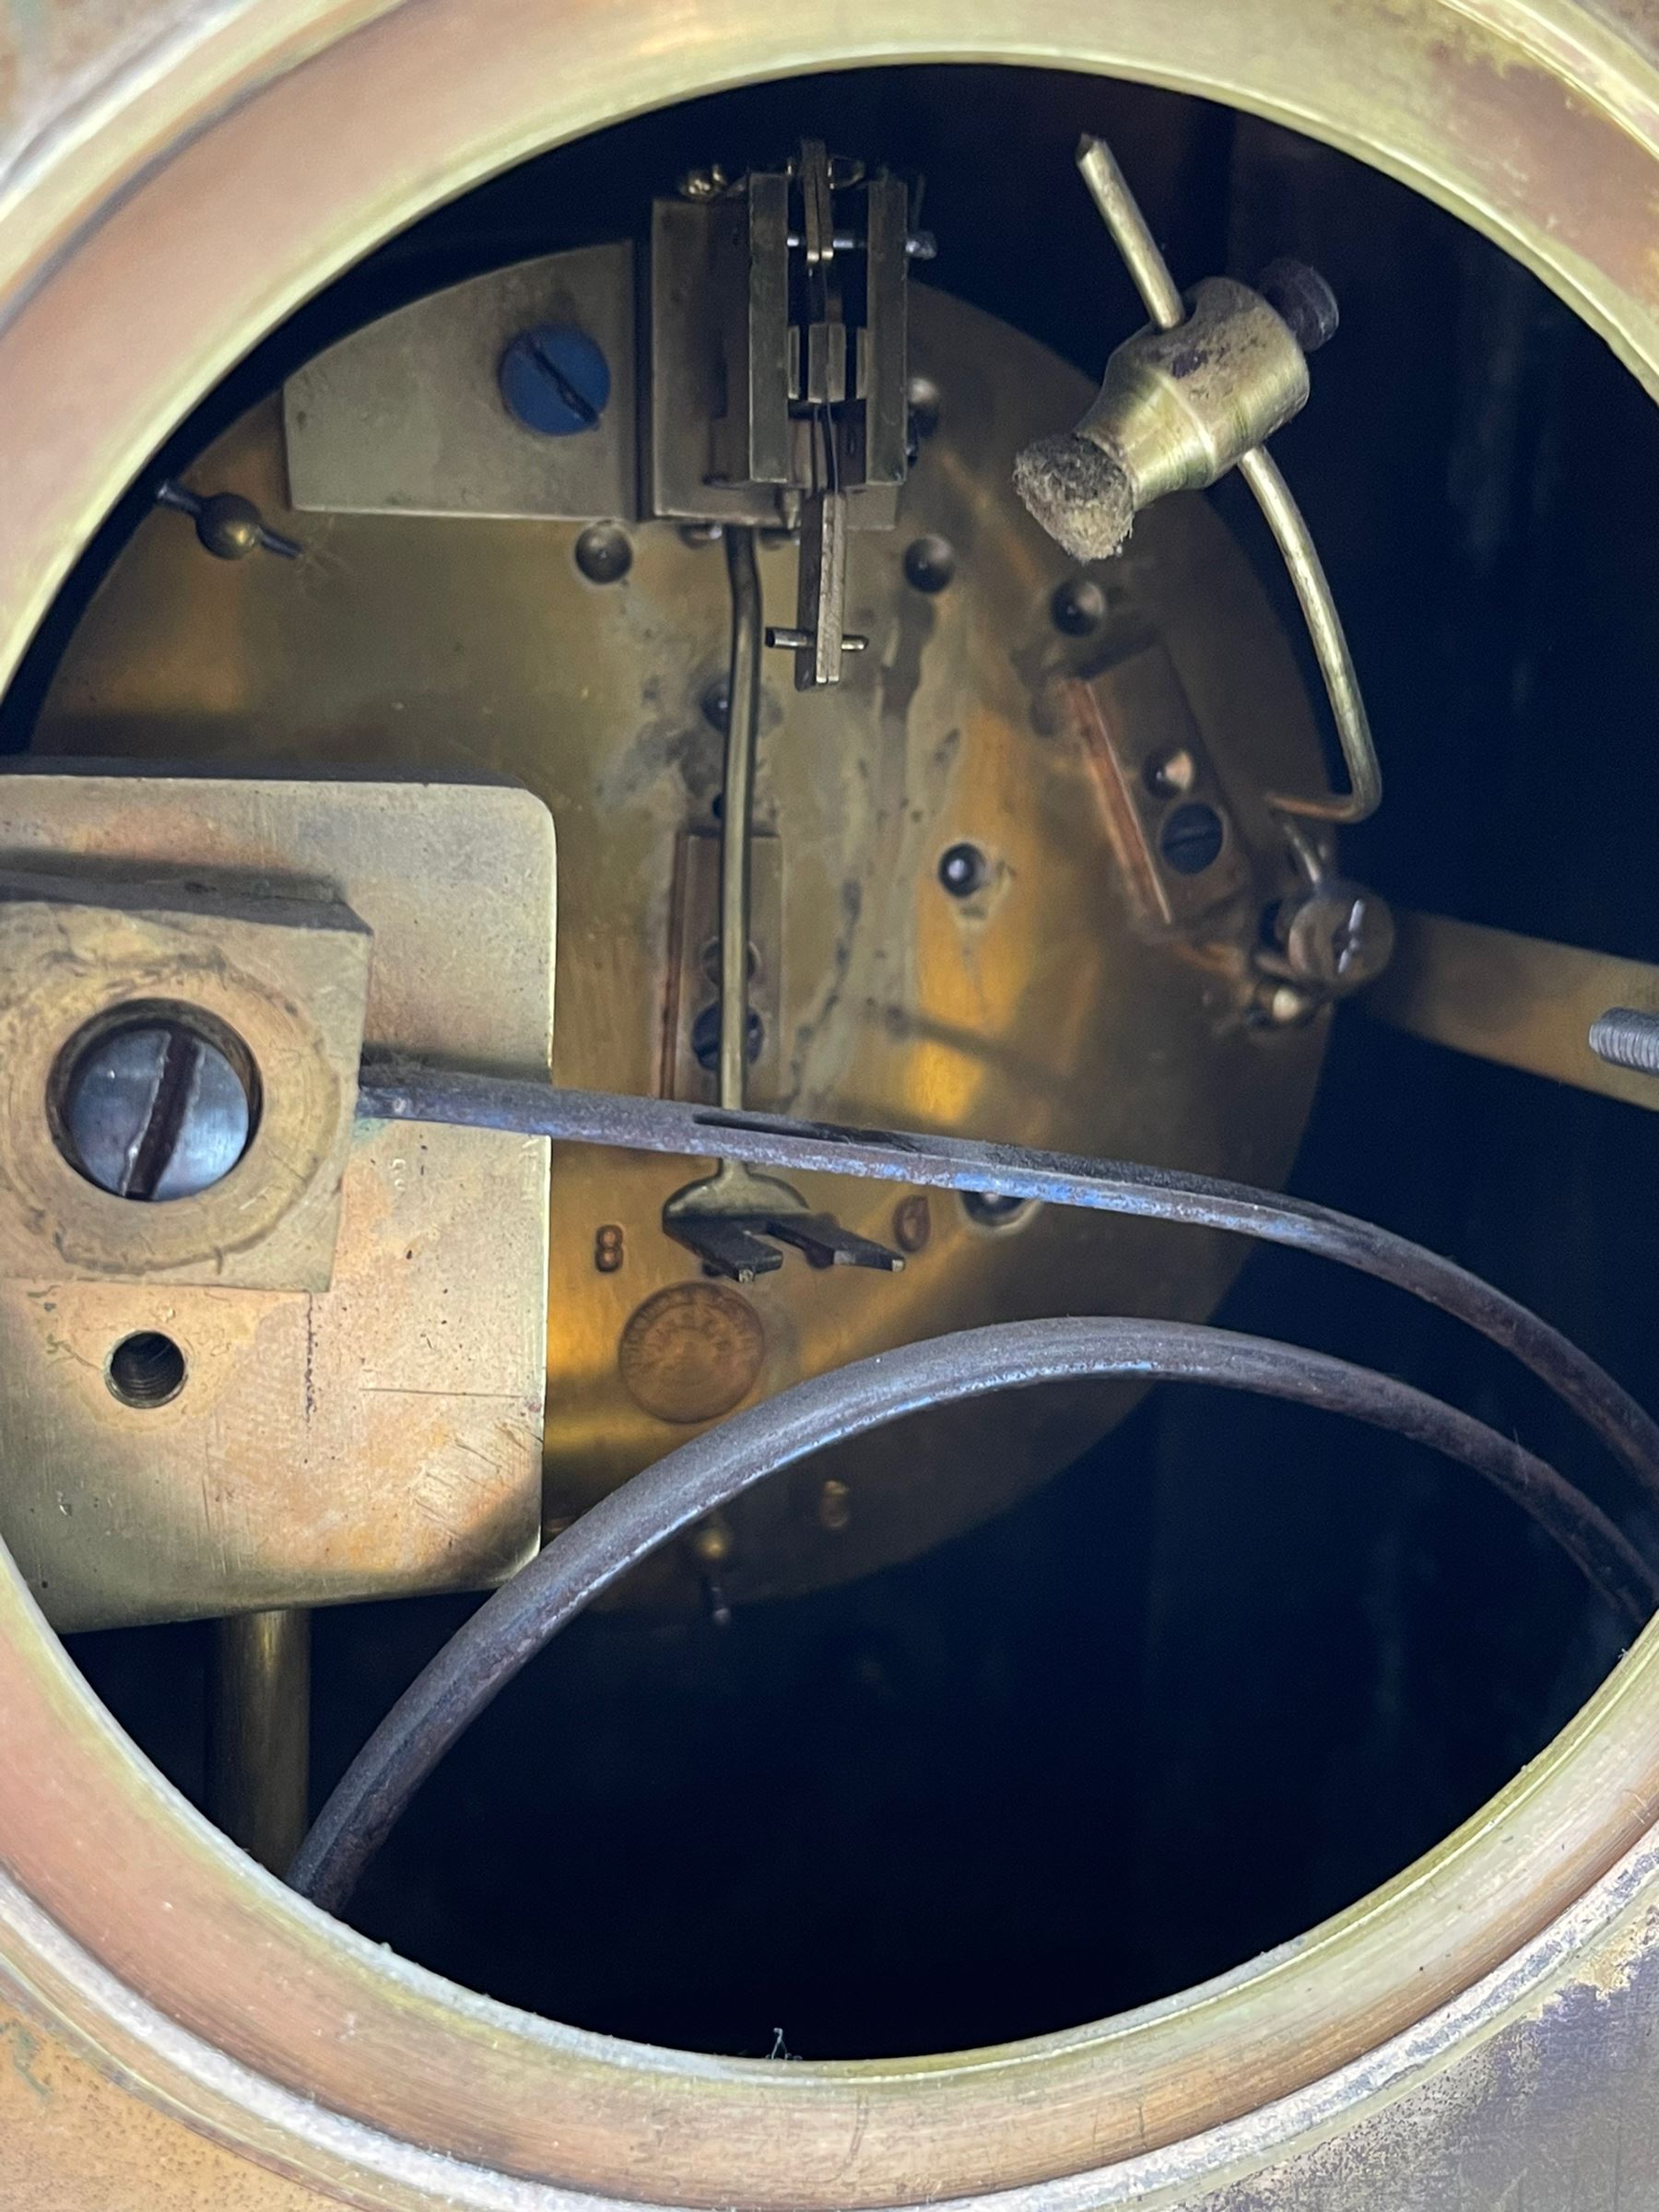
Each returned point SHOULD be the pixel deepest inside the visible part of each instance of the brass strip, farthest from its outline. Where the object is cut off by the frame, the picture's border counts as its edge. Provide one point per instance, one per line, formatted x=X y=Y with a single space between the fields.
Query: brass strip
x=1523 y=1002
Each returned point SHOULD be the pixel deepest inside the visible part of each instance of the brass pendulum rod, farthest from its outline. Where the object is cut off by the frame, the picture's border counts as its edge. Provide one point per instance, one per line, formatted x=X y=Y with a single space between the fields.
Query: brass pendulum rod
x=259 y=1732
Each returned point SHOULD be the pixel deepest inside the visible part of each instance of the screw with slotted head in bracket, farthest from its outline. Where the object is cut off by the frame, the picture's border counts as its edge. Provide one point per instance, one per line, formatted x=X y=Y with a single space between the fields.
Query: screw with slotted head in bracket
x=153 y=1110
x=555 y=380
x=1337 y=937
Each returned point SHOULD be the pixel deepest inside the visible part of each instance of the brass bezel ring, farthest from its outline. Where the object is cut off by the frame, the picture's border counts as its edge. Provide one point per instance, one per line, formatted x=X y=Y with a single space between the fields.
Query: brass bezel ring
x=174 y=210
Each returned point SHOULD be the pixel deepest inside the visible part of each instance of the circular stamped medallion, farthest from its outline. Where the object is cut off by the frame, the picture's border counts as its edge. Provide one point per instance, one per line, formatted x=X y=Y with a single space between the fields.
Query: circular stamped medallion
x=691 y=1351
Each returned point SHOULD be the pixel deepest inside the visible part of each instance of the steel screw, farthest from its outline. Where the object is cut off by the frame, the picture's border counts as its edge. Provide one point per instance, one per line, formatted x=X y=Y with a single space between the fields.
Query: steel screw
x=604 y=554
x=154 y=1111
x=929 y=563
x=555 y=380
x=1338 y=938
x=705 y=1038
x=1192 y=838
x=1625 y=1038
x=1078 y=607
x=1301 y=298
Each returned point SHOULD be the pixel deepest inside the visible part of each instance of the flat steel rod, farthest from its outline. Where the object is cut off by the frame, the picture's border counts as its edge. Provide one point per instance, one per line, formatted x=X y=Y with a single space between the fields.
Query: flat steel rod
x=406 y=1093
x=736 y=812
x=259 y=1732
x=1523 y=1002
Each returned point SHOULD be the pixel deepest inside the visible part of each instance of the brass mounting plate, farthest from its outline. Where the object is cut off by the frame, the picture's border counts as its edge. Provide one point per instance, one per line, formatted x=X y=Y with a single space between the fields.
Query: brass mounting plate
x=378 y=1437
x=1138 y=727
x=405 y=417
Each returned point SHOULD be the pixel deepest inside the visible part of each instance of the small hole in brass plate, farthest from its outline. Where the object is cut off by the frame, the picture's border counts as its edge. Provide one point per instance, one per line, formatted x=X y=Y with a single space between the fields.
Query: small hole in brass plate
x=1172 y=774
x=963 y=869
x=145 y=1370
x=986 y=1210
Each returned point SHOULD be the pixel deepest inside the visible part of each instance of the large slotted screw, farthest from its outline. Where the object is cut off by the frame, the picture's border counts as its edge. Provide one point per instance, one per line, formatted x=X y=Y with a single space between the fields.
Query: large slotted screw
x=154 y=1111
x=556 y=379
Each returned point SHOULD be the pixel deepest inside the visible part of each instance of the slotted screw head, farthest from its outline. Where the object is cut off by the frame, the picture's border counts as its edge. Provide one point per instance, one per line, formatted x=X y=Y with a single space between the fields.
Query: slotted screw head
x=556 y=379
x=1339 y=937
x=155 y=1112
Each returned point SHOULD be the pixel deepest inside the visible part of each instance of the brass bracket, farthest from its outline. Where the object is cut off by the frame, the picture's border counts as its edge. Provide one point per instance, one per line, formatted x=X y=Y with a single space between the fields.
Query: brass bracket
x=1154 y=770
x=290 y=979
x=355 y=1316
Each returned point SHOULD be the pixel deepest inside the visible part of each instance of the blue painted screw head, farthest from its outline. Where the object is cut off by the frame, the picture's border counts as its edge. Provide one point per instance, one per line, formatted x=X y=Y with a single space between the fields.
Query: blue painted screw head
x=555 y=380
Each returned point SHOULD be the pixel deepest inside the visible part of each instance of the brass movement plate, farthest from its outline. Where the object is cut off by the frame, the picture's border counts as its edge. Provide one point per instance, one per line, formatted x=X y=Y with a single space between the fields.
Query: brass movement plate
x=1039 y=1009
x=380 y=1435
x=175 y=211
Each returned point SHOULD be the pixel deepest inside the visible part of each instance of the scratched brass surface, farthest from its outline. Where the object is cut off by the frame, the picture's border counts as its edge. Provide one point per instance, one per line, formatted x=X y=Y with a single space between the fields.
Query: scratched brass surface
x=1041 y=1009
x=374 y=1432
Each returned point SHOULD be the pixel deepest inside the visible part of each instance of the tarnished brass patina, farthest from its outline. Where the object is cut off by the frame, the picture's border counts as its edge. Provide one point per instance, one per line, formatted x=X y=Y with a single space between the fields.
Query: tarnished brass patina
x=358 y=1416
x=176 y=178
x=1041 y=1006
